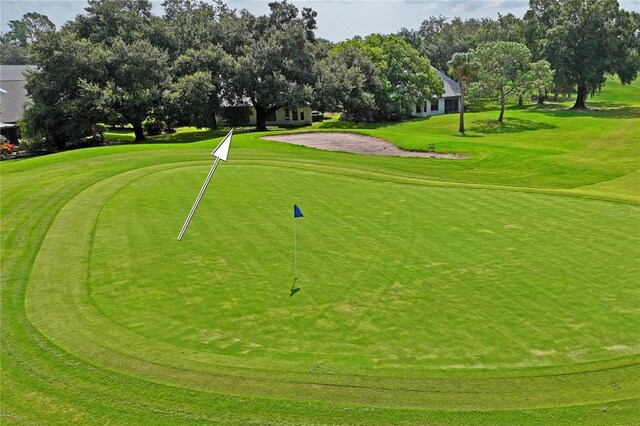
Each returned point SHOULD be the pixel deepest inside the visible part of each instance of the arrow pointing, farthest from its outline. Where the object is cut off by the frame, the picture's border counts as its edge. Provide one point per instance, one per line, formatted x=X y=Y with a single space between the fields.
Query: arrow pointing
x=222 y=150
x=221 y=153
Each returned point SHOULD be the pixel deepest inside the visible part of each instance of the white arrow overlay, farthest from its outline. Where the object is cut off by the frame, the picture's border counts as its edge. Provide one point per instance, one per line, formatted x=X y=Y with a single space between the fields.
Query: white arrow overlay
x=221 y=153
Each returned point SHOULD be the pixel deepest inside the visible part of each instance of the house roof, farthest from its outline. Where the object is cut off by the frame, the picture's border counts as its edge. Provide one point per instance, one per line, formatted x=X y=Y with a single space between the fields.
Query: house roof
x=14 y=72
x=451 y=88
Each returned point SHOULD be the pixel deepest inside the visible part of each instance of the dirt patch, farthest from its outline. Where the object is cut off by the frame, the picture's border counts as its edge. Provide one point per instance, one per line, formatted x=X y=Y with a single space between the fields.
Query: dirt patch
x=351 y=142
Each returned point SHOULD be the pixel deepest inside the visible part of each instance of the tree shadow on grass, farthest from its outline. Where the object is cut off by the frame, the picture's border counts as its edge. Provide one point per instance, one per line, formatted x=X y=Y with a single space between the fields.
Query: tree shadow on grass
x=126 y=136
x=510 y=125
x=594 y=109
x=466 y=136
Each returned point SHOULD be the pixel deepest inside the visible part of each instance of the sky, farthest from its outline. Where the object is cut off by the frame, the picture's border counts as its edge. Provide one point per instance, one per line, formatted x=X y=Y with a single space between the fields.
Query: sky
x=337 y=20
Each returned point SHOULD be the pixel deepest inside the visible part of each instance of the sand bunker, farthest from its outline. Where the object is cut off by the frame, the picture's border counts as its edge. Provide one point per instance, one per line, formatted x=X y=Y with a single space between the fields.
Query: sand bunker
x=351 y=142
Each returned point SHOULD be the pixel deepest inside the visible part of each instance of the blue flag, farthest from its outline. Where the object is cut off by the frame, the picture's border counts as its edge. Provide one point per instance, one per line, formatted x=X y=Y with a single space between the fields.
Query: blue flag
x=297 y=212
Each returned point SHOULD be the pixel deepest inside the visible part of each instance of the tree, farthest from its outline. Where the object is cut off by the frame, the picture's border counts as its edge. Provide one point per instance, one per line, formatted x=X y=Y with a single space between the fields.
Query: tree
x=586 y=40
x=198 y=77
x=463 y=67
x=60 y=112
x=438 y=38
x=506 y=28
x=194 y=24
x=274 y=59
x=503 y=68
x=108 y=20
x=132 y=86
x=541 y=78
x=26 y=31
x=15 y=43
x=347 y=81
x=406 y=76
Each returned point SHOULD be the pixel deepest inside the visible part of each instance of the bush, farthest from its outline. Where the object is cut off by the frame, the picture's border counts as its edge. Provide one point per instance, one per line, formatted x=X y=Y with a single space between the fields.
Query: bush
x=152 y=126
x=35 y=145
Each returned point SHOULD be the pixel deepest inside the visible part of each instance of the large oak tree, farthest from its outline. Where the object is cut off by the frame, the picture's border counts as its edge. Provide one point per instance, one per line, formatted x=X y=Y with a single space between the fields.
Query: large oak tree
x=586 y=40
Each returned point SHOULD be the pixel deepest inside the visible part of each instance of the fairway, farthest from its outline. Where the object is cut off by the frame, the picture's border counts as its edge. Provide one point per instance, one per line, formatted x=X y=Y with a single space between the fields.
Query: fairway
x=432 y=291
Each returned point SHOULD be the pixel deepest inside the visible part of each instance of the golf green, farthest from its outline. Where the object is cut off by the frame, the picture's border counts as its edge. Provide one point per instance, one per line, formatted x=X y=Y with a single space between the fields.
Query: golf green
x=406 y=288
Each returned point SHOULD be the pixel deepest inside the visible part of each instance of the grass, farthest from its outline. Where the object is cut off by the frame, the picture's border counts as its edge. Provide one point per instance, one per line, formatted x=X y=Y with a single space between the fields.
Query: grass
x=495 y=290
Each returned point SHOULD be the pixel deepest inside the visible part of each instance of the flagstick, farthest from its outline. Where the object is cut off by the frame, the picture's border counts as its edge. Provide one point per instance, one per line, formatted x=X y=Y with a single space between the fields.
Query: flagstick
x=295 y=253
x=195 y=205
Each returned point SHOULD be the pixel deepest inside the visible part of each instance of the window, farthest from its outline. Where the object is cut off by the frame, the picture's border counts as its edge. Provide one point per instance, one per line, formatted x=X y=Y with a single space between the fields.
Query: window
x=434 y=105
x=425 y=106
x=418 y=110
x=294 y=114
x=272 y=116
x=301 y=115
x=450 y=105
x=287 y=115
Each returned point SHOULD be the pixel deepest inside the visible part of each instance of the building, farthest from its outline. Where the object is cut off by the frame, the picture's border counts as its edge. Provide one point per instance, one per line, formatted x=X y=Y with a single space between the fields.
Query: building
x=13 y=97
x=283 y=117
x=448 y=103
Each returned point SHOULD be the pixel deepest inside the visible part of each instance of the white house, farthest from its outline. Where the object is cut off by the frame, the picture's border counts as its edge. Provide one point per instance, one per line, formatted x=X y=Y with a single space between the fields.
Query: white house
x=449 y=102
x=13 y=96
x=300 y=116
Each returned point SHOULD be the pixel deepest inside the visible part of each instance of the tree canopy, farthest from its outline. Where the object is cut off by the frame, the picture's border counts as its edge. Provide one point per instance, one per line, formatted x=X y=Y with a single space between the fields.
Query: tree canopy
x=120 y=63
x=405 y=75
x=15 y=43
x=585 y=41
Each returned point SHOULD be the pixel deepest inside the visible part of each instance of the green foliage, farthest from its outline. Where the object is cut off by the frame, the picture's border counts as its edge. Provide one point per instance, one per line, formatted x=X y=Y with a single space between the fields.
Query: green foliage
x=586 y=40
x=194 y=95
x=504 y=70
x=236 y=116
x=153 y=126
x=348 y=82
x=406 y=76
x=58 y=99
x=15 y=43
x=27 y=30
x=439 y=38
x=274 y=59
x=108 y=20
x=463 y=67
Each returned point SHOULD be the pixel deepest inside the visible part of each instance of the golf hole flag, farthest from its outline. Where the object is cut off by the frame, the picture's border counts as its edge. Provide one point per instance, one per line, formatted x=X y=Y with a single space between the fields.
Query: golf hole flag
x=296 y=214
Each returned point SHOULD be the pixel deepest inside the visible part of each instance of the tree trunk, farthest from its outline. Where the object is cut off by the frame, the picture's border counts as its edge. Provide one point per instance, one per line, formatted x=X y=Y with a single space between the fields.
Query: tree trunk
x=137 y=129
x=582 y=95
x=461 y=129
x=214 y=121
x=540 y=98
x=555 y=96
x=520 y=101
x=261 y=118
x=501 y=106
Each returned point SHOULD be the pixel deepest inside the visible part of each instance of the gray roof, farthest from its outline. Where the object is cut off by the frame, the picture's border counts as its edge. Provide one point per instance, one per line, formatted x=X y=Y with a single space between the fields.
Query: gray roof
x=451 y=88
x=14 y=72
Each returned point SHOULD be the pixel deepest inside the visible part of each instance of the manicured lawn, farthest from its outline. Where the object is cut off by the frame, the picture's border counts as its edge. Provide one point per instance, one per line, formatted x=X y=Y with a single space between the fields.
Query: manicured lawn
x=501 y=289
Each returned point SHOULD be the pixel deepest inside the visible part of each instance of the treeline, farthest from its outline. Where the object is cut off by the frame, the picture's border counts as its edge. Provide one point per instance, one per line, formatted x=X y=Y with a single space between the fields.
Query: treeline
x=119 y=64
x=582 y=40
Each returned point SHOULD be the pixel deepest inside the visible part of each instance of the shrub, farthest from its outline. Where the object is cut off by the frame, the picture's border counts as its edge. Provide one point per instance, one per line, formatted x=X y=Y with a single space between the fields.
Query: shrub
x=35 y=145
x=152 y=126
